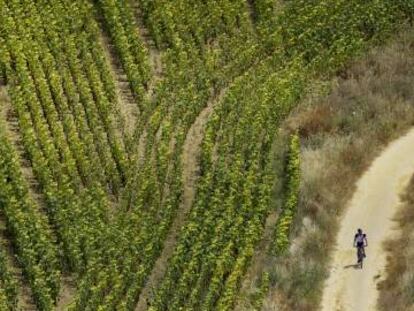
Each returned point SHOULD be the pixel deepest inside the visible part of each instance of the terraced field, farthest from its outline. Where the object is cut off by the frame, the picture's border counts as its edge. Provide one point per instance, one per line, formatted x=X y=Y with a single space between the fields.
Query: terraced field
x=136 y=138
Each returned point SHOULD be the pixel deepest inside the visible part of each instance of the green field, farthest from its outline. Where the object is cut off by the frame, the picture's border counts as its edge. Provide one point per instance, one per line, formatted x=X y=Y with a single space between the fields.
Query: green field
x=136 y=141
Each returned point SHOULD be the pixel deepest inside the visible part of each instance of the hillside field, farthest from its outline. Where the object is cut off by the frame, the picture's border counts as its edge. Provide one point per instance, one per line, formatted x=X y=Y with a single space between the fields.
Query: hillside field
x=137 y=142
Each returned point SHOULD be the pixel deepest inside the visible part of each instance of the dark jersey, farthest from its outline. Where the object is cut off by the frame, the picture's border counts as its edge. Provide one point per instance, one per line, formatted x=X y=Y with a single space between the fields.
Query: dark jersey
x=359 y=239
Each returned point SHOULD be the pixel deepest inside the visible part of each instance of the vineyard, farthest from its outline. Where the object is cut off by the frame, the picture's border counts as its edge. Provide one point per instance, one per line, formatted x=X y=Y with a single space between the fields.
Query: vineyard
x=136 y=141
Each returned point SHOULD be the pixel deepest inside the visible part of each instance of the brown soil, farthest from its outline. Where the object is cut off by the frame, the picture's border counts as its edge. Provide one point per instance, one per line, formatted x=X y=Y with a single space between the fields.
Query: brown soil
x=128 y=108
x=67 y=292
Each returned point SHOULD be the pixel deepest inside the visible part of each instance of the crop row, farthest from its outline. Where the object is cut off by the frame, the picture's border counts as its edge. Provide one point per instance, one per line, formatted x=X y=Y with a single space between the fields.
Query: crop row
x=185 y=22
x=120 y=23
x=64 y=96
x=285 y=219
x=8 y=286
x=32 y=238
x=69 y=207
x=88 y=85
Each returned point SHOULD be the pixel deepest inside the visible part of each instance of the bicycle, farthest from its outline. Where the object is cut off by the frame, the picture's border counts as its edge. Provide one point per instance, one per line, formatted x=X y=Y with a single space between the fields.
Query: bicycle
x=360 y=256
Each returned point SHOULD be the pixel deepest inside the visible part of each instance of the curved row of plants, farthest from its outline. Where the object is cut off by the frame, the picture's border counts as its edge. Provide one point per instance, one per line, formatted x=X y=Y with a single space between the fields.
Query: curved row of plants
x=232 y=201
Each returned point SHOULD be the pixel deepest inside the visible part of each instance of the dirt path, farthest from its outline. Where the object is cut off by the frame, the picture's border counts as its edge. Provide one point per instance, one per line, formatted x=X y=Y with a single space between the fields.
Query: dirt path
x=67 y=293
x=372 y=208
x=154 y=54
x=128 y=108
x=191 y=150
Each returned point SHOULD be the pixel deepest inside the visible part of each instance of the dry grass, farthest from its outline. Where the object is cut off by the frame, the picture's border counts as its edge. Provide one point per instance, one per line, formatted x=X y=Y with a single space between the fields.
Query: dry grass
x=368 y=105
x=397 y=291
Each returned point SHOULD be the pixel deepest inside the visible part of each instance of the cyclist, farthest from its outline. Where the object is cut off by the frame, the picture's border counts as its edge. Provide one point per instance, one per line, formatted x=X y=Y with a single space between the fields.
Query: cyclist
x=360 y=241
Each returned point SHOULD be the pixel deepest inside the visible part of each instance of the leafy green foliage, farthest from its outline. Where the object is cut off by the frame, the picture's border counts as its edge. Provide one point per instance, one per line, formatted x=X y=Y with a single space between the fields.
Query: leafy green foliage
x=261 y=291
x=35 y=247
x=287 y=215
x=8 y=286
x=111 y=210
x=119 y=20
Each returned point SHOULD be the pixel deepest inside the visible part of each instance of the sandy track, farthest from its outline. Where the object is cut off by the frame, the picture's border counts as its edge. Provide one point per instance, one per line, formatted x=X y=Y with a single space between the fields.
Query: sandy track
x=372 y=208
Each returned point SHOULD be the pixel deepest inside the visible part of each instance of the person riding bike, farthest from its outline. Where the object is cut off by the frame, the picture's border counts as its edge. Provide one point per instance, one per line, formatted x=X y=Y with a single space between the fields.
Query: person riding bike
x=360 y=241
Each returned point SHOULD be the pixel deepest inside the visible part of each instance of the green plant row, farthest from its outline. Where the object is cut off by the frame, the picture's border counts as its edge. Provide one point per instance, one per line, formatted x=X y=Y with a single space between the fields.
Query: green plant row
x=89 y=86
x=337 y=27
x=42 y=152
x=65 y=94
x=32 y=238
x=99 y=101
x=119 y=20
x=43 y=97
x=262 y=289
x=78 y=214
x=8 y=286
x=65 y=99
x=59 y=87
x=198 y=24
x=264 y=14
x=285 y=219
